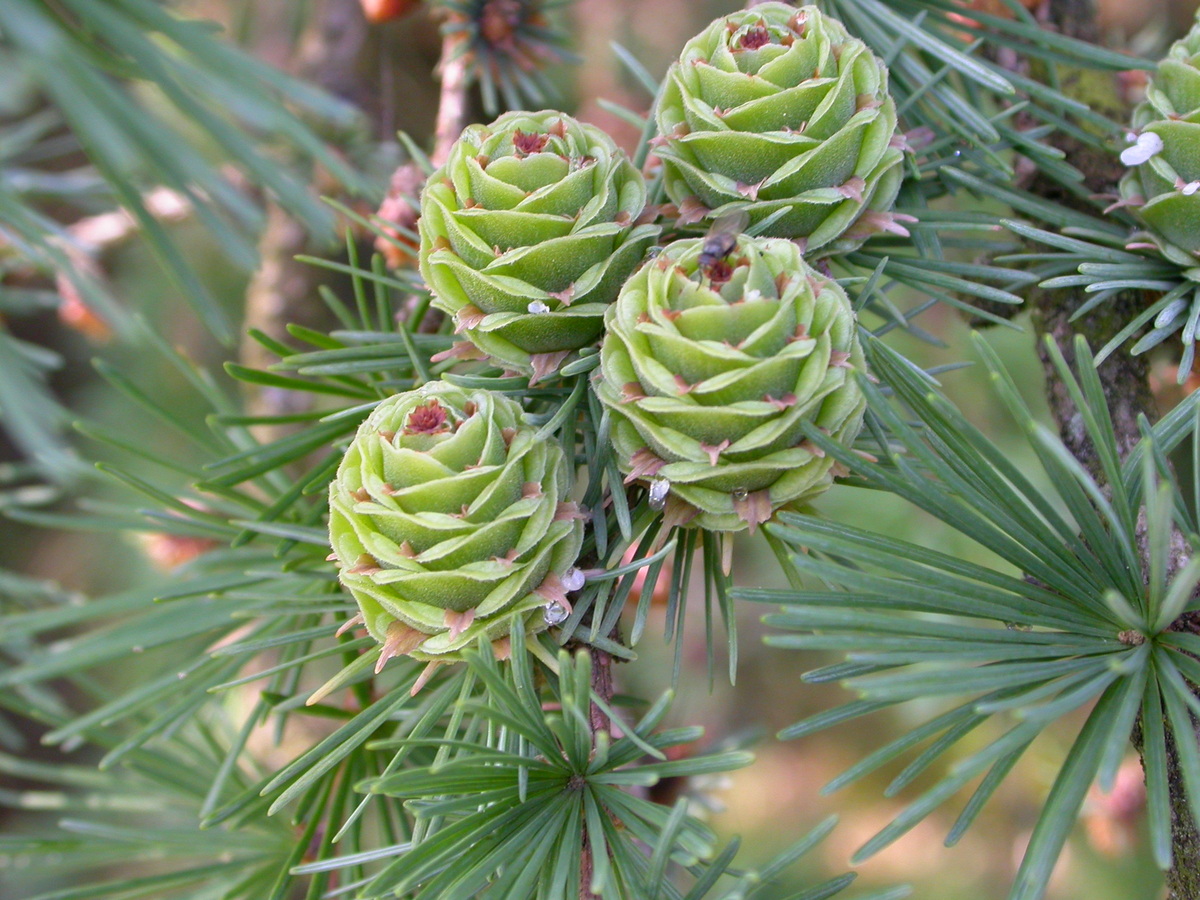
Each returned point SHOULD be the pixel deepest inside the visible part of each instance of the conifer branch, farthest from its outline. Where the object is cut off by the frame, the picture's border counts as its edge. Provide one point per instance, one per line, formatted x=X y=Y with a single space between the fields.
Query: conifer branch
x=452 y=101
x=1125 y=378
x=603 y=687
x=282 y=290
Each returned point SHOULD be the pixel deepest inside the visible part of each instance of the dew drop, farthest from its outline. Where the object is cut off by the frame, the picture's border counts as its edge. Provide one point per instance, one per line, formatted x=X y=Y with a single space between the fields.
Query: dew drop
x=573 y=579
x=554 y=613
x=740 y=494
x=538 y=306
x=659 y=488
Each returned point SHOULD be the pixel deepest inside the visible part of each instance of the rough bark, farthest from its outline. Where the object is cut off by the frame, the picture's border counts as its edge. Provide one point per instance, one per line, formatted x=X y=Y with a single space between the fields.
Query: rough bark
x=1183 y=880
x=1125 y=377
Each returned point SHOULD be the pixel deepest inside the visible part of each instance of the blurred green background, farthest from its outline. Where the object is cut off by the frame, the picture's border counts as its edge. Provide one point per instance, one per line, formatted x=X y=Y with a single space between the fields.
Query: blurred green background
x=778 y=798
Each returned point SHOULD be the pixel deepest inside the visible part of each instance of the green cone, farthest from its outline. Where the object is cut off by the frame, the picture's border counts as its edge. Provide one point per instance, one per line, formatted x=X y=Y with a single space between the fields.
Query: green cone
x=778 y=110
x=447 y=517
x=710 y=367
x=527 y=233
x=1163 y=183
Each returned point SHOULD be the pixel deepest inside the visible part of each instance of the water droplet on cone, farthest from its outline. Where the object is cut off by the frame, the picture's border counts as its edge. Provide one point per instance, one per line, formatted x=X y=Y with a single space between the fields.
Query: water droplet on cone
x=740 y=494
x=573 y=579
x=538 y=306
x=659 y=488
x=554 y=613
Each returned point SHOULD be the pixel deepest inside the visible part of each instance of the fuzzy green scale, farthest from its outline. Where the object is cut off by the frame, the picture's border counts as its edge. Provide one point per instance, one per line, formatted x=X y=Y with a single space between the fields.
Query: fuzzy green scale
x=1164 y=190
x=448 y=516
x=527 y=233
x=780 y=112
x=711 y=370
